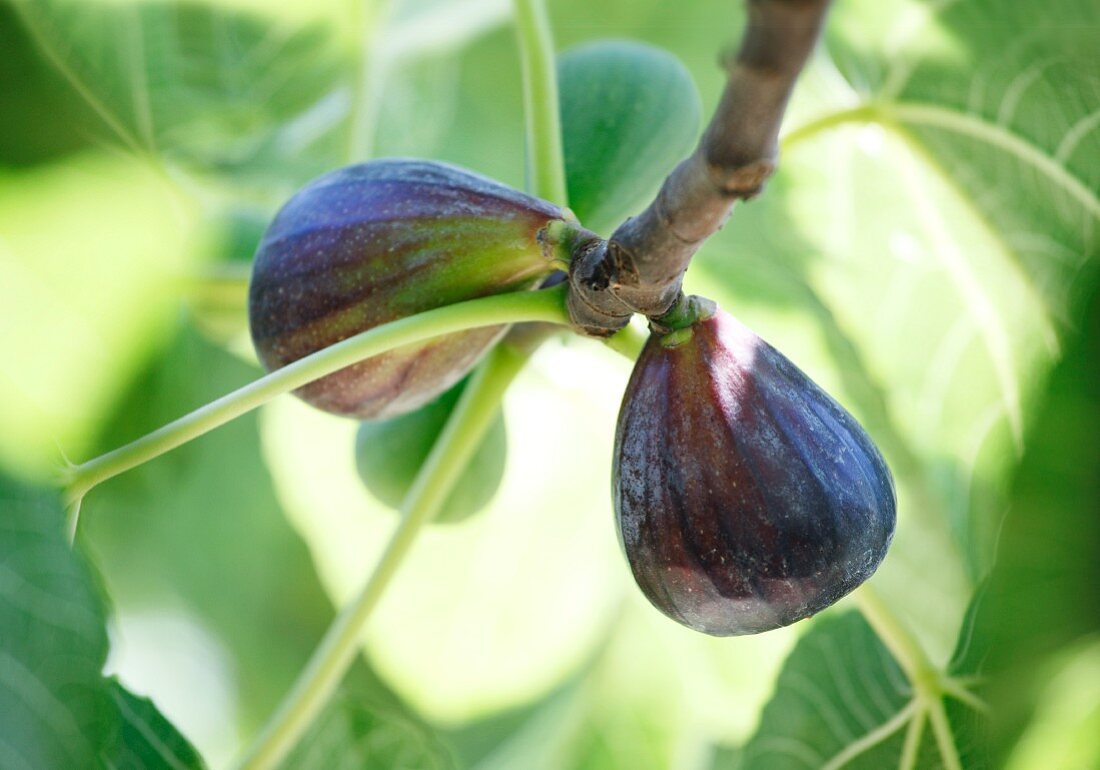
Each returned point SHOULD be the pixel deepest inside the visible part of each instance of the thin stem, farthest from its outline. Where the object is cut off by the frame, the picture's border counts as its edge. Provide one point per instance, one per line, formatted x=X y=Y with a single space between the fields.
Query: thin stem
x=945 y=738
x=910 y=749
x=928 y=684
x=460 y=438
x=627 y=342
x=901 y=643
x=864 y=113
x=872 y=738
x=546 y=160
x=516 y=307
x=958 y=691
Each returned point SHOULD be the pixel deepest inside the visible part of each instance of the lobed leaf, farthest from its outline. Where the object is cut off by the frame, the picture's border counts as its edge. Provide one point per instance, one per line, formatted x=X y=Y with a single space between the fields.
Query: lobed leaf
x=56 y=709
x=842 y=701
x=933 y=219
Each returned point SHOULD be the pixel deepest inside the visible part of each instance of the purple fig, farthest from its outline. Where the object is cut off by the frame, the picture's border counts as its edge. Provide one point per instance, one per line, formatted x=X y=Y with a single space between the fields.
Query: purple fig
x=746 y=497
x=378 y=241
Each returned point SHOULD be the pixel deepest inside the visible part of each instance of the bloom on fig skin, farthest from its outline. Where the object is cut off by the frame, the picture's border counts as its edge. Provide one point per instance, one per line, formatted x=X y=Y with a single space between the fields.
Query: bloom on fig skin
x=374 y=242
x=746 y=497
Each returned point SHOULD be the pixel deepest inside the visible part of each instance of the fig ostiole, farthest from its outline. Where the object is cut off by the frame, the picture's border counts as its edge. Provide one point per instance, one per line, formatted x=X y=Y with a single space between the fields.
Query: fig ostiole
x=374 y=242
x=389 y=454
x=746 y=497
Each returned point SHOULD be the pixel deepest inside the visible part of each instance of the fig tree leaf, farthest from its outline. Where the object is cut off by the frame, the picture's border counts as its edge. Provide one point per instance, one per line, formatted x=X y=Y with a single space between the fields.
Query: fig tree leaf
x=200 y=86
x=263 y=97
x=197 y=530
x=933 y=222
x=418 y=62
x=353 y=734
x=389 y=454
x=29 y=85
x=842 y=701
x=630 y=112
x=144 y=739
x=1041 y=606
x=54 y=709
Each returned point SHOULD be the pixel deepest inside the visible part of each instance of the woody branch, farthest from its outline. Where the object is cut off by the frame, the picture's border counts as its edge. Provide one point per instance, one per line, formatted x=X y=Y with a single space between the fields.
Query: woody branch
x=640 y=268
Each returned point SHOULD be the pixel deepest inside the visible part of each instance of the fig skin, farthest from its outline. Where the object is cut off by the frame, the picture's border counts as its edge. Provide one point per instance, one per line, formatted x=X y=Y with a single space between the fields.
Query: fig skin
x=374 y=242
x=746 y=497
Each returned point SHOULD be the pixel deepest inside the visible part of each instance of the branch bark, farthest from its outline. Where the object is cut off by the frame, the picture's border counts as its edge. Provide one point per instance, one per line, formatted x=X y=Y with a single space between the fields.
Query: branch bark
x=640 y=268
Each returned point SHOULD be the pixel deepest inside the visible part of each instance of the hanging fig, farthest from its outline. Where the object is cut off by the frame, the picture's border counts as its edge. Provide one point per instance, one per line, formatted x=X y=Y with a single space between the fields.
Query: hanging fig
x=746 y=497
x=378 y=241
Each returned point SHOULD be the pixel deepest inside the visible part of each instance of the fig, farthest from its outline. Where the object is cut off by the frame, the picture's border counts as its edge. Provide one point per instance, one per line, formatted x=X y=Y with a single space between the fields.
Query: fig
x=389 y=453
x=746 y=497
x=377 y=241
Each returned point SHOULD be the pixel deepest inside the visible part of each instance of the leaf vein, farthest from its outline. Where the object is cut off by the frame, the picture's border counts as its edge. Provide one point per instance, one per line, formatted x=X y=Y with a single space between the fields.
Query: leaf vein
x=872 y=738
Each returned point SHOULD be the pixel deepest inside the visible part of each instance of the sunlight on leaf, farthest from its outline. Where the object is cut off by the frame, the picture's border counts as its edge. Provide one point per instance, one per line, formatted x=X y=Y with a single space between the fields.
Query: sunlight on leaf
x=205 y=88
x=495 y=611
x=1065 y=732
x=91 y=257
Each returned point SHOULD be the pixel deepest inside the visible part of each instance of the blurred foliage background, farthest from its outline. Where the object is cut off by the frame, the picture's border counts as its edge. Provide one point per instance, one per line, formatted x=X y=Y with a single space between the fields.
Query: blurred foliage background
x=927 y=253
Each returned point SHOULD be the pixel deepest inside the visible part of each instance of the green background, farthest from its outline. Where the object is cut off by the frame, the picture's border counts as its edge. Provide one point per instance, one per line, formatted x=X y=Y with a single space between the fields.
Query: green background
x=927 y=252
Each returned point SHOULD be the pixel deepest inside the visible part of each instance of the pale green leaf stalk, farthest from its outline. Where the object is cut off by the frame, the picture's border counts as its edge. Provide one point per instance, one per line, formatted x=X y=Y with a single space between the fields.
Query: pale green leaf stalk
x=463 y=432
x=545 y=157
x=472 y=416
x=547 y=306
x=930 y=685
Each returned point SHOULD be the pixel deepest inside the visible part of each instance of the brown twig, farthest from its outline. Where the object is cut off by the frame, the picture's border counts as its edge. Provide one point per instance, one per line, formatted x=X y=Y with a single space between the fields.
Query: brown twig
x=641 y=267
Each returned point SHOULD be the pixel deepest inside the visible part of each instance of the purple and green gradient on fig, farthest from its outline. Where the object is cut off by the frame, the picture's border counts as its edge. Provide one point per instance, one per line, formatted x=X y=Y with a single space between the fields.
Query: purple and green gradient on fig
x=378 y=241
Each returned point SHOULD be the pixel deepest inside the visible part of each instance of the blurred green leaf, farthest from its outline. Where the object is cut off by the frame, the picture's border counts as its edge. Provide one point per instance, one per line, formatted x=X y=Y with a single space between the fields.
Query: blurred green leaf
x=842 y=702
x=353 y=734
x=202 y=86
x=200 y=530
x=474 y=622
x=629 y=113
x=46 y=118
x=1042 y=600
x=1001 y=103
x=91 y=254
x=145 y=740
x=1064 y=732
x=389 y=454
x=54 y=709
